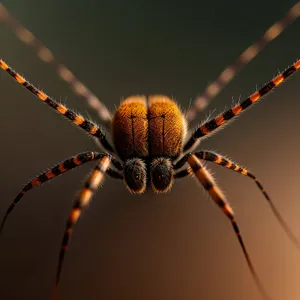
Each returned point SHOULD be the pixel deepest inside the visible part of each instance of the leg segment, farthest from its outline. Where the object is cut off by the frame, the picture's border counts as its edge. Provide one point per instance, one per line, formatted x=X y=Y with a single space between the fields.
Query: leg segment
x=251 y=52
x=183 y=173
x=47 y=56
x=208 y=183
x=114 y=174
x=86 y=125
x=81 y=202
x=57 y=170
x=218 y=123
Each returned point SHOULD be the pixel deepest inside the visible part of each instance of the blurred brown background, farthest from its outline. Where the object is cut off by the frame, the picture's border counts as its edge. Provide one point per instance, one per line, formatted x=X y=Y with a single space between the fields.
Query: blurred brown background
x=175 y=246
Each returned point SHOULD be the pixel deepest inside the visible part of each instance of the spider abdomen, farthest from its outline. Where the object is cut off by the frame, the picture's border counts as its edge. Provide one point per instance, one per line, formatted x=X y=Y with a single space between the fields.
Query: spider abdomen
x=130 y=128
x=166 y=126
x=140 y=131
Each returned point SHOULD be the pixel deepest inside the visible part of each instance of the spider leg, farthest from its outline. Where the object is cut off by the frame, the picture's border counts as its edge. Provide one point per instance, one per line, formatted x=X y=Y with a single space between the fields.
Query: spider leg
x=225 y=162
x=222 y=119
x=57 y=170
x=114 y=174
x=81 y=202
x=221 y=160
x=183 y=173
x=86 y=125
x=47 y=56
x=214 y=88
x=210 y=186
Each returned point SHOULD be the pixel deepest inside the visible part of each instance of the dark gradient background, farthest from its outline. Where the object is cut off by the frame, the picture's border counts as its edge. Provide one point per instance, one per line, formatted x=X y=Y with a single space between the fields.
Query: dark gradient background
x=175 y=246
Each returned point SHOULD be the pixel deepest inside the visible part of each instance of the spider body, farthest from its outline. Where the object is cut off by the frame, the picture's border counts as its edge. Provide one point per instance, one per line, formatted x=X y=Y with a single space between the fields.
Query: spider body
x=148 y=133
x=148 y=127
x=155 y=157
x=149 y=146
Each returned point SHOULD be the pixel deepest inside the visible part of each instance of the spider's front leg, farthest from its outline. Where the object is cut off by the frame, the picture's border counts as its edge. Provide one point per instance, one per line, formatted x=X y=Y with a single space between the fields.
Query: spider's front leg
x=211 y=126
x=81 y=202
x=215 y=87
x=88 y=126
x=211 y=187
x=47 y=56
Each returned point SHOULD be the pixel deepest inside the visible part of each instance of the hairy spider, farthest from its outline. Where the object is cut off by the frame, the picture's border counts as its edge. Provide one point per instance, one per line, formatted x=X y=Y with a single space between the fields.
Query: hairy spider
x=150 y=144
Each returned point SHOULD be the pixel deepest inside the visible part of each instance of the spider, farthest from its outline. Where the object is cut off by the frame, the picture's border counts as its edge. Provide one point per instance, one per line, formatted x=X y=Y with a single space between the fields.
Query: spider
x=150 y=145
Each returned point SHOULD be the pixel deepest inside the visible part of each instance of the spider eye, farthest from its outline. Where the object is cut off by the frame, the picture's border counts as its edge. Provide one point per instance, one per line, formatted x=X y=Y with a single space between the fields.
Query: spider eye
x=135 y=175
x=161 y=174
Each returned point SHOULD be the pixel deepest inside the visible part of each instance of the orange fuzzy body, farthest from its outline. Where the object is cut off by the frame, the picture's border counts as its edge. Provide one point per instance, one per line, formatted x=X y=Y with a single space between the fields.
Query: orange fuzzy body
x=142 y=129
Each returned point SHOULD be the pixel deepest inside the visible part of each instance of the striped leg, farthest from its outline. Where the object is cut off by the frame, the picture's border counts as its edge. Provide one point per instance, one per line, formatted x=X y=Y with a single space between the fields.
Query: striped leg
x=208 y=183
x=250 y=53
x=222 y=161
x=81 y=202
x=222 y=119
x=47 y=56
x=86 y=125
x=59 y=169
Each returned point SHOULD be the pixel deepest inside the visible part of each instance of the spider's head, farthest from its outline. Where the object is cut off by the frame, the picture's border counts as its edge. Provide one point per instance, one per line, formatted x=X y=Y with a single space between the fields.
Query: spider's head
x=135 y=175
x=162 y=174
